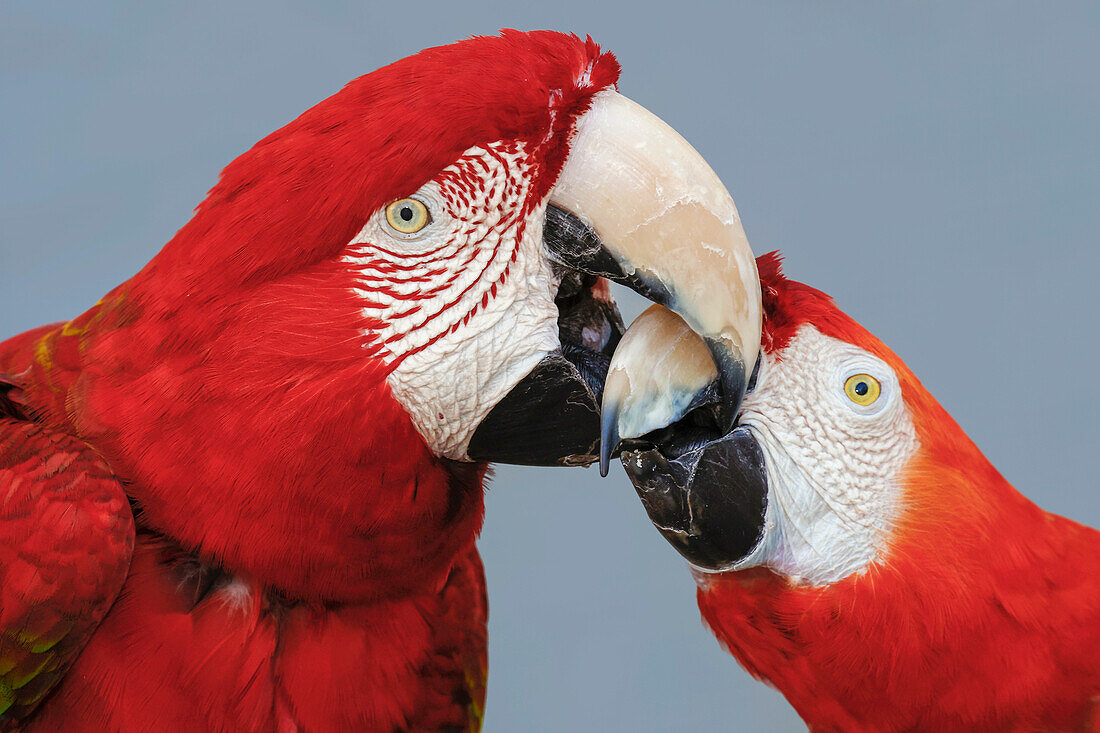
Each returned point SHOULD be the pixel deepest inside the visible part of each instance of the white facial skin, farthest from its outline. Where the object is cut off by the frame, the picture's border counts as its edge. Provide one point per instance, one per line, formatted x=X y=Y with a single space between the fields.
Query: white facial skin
x=467 y=302
x=833 y=465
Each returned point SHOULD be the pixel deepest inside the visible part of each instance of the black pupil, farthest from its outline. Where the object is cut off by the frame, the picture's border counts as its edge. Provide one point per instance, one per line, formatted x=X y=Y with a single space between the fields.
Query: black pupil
x=406 y=213
x=860 y=388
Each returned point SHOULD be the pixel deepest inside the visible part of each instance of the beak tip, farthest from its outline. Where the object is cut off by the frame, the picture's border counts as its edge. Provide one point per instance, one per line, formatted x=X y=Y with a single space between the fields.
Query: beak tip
x=609 y=436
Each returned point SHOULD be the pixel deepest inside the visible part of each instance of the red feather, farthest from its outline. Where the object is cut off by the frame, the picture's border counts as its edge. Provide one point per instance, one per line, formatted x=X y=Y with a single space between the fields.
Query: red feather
x=68 y=533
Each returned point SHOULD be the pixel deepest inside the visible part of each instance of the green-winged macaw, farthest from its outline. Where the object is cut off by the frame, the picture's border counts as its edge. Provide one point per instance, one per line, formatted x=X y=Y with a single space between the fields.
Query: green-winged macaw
x=242 y=491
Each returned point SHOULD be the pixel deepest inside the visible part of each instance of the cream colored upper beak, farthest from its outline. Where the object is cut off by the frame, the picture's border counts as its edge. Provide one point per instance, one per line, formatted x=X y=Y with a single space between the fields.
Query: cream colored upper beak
x=665 y=216
x=672 y=227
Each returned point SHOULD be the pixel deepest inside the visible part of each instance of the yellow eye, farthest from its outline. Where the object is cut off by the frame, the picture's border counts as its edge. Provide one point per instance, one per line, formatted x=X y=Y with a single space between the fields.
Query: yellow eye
x=863 y=389
x=408 y=216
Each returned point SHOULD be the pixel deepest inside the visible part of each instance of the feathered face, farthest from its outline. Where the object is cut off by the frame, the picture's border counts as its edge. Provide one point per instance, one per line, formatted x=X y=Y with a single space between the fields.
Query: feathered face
x=810 y=482
x=447 y=226
x=458 y=293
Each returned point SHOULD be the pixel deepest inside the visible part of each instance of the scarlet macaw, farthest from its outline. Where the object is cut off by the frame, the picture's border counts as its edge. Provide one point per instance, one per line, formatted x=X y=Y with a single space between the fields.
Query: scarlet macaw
x=242 y=491
x=851 y=545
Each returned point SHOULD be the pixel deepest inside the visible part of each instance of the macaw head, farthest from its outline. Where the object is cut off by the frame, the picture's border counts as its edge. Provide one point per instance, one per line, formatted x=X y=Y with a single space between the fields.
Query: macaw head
x=838 y=457
x=446 y=226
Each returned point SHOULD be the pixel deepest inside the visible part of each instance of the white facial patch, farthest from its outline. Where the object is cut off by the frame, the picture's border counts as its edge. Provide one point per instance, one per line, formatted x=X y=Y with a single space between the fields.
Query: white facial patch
x=833 y=465
x=465 y=307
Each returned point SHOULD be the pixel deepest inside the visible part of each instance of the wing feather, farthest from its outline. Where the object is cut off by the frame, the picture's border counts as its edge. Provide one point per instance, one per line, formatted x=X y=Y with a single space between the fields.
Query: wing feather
x=66 y=536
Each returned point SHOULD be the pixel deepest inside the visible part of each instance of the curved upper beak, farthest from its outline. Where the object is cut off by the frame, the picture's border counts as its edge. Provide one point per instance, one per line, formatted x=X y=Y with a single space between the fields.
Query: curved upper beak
x=636 y=204
x=671 y=231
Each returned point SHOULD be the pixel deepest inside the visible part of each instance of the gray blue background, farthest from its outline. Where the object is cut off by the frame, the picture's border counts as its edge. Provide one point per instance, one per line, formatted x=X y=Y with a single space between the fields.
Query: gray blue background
x=934 y=166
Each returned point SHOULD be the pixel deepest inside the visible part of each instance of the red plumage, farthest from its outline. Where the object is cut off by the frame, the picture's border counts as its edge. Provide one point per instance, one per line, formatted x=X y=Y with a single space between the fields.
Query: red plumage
x=302 y=560
x=983 y=614
x=57 y=582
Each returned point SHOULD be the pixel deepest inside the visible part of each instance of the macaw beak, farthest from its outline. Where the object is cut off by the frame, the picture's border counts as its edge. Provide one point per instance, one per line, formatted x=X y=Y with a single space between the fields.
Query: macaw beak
x=703 y=483
x=637 y=205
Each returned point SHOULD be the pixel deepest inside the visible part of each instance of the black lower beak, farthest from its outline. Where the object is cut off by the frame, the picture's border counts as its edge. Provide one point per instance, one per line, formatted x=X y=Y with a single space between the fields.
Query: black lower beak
x=551 y=418
x=709 y=500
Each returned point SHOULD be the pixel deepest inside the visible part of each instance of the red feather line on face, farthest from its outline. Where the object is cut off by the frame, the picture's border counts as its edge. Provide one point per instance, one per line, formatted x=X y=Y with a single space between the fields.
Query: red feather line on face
x=453 y=275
